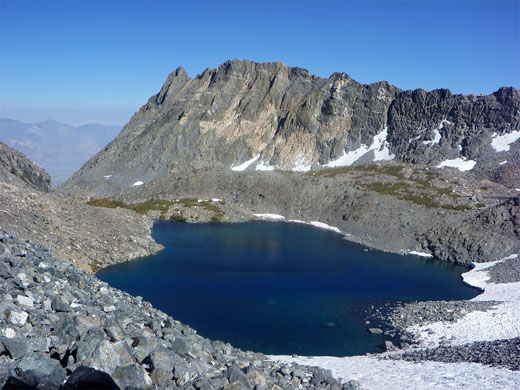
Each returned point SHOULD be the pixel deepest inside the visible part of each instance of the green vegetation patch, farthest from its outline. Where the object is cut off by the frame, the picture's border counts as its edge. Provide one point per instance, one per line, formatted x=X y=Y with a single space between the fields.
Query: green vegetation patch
x=367 y=170
x=140 y=208
x=106 y=202
x=387 y=188
x=421 y=200
x=162 y=206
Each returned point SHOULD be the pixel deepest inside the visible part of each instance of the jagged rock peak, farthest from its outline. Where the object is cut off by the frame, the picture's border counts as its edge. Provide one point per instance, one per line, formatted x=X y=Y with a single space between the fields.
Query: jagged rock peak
x=245 y=115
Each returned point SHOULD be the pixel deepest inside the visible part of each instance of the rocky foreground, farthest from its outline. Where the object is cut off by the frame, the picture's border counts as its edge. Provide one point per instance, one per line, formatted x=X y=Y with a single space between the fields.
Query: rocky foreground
x=61 y=326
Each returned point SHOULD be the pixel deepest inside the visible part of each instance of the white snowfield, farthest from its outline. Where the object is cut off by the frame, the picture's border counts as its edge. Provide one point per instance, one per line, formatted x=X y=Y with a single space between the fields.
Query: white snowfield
x=243 y=166
x=138 y=183
x=322 y=225
x=301 y=164
x=378 y=373
x=501 y=142
x=460 y=163
x=417 y=253
x=271 y=217
x=264 y=167
x=500 y=322
x=278 y=217
x=379 y=146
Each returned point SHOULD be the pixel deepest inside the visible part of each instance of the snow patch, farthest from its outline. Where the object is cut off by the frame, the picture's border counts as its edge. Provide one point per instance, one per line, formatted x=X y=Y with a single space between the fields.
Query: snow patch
x=322 y=225
x=298 y=221
x=107 y=176
x=436 y=133
x=500 y=322
x=300 y=164
x=417 y=253
x=243 y=166
x=460 y=163
x=379 y=146
x=216 y=200
x=138 y=183
x=348 y=158
x=380 y=374
x=501 y=143
x=271 y=217
x=263 y=167
x=502 y=163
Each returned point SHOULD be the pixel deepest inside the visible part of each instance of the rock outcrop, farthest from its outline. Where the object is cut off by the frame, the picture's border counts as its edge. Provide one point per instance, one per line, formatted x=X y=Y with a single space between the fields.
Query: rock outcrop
x=18 y=169
x=246 y=115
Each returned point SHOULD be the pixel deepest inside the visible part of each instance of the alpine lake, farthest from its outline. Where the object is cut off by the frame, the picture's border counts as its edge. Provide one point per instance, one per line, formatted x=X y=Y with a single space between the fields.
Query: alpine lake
x=280 y=288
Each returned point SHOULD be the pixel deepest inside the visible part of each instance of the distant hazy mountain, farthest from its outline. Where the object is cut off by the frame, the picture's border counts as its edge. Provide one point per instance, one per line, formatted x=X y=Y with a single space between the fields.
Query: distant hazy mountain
x=59 y=148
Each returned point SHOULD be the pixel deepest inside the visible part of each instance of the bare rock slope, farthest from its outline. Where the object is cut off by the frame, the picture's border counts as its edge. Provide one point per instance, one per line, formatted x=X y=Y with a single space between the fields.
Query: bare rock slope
x=88 y=236
x=16 y=168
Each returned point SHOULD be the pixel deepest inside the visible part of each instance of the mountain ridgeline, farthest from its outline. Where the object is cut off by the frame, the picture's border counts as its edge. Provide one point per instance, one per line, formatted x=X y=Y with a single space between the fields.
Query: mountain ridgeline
x=268 y=116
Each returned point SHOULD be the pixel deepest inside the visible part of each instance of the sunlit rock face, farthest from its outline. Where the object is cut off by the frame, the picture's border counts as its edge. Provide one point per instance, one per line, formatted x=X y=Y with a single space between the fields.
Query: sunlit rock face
x=268 y=116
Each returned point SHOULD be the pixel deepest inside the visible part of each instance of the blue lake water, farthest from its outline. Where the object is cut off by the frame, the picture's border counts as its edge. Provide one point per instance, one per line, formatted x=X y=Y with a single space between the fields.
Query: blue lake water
x=280 y=288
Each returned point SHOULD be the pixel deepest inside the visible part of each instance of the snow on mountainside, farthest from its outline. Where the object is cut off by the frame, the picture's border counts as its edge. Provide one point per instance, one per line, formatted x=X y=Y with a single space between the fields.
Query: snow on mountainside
x=268 y=116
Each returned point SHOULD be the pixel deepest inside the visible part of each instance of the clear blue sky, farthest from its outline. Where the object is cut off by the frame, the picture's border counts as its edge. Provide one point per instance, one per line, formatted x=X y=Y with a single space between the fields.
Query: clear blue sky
x=99 y=61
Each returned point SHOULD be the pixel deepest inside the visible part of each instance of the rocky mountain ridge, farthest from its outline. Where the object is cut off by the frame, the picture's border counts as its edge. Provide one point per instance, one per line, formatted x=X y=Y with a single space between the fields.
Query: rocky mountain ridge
x=268 y=116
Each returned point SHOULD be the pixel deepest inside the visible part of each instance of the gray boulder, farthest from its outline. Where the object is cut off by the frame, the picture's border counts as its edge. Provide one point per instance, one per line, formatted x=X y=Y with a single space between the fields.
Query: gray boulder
x=40 y=370
x=131 y=375
x=89 y=378
x=235 y=374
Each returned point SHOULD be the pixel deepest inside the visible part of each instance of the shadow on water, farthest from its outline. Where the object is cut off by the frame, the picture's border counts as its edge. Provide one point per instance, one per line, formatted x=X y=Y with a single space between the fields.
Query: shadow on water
x=280 y=288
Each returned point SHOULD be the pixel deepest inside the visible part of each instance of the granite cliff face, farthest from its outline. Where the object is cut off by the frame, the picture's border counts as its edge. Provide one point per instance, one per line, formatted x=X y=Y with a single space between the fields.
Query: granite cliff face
x=245 y=116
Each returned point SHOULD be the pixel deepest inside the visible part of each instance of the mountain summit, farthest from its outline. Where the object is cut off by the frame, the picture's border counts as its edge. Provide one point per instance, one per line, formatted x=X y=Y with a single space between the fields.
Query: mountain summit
x=268 y=116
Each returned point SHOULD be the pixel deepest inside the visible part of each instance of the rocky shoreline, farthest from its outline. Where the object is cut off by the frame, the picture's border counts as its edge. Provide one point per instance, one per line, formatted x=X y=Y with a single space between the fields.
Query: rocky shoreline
x=496 y=280
x=451 y=216
x=57 y=319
